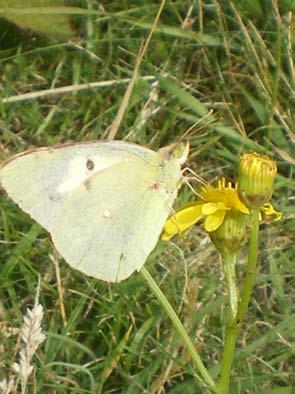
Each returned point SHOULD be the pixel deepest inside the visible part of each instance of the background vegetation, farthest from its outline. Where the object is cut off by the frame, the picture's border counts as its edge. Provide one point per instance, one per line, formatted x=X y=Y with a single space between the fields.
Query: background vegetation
x=233 y=58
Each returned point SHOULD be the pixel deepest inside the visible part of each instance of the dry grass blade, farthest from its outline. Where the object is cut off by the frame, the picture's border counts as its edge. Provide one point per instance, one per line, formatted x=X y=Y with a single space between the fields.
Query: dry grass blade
x=66 y=89
x=117 y=121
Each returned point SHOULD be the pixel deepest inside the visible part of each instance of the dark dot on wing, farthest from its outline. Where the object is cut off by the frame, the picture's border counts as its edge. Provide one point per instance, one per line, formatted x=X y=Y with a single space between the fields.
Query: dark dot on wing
x=53 y=197
x=155 y=185
x=90 y=164
x=87 y=184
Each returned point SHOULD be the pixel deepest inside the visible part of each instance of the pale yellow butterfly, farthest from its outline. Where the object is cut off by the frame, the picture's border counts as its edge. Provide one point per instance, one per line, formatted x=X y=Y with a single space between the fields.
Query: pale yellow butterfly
x=103 y=203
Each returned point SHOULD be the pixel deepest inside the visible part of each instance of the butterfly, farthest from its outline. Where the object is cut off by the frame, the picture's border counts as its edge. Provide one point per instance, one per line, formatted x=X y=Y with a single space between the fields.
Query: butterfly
x=104 y=203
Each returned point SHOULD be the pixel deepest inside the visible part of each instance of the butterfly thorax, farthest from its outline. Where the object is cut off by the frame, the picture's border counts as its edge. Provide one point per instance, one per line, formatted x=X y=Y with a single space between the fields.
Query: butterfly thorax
x=172 y=158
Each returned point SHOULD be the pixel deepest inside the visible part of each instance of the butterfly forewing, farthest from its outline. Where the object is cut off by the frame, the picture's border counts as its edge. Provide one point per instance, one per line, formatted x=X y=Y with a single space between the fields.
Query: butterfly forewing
x=38 y=181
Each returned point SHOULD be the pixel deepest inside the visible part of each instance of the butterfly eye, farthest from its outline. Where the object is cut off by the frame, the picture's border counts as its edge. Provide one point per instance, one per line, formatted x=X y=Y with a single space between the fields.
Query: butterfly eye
x=90 y=164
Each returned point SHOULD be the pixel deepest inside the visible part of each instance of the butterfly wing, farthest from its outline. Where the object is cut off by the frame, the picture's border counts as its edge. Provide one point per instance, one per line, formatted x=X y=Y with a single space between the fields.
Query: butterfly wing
x=39 y=180
x=104 y=203
x=109 y=225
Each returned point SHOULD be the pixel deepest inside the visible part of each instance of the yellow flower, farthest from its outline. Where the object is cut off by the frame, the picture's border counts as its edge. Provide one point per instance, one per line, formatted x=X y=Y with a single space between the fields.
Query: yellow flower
x=213 y=205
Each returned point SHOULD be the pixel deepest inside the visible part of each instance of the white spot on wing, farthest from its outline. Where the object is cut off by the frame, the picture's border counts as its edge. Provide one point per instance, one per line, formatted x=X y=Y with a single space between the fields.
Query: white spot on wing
x=77 y=173
x=106 y=213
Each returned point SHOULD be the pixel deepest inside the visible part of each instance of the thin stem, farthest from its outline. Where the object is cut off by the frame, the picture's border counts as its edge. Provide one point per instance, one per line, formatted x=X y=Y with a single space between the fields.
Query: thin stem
x=251 y=267
x=206 y=378
x=234 y=327
x=229 y=269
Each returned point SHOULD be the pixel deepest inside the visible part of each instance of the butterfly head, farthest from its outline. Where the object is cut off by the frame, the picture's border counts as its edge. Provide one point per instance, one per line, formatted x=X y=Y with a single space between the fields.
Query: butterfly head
x=173 y=157
x=176 y=152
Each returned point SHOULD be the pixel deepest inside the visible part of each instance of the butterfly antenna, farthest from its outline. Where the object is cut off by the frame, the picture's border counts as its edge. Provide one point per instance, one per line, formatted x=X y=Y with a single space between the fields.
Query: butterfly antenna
x=193 y=126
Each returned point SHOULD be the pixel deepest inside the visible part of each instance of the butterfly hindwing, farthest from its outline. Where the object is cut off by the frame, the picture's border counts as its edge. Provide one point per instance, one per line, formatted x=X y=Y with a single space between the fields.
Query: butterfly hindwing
x=109 y=225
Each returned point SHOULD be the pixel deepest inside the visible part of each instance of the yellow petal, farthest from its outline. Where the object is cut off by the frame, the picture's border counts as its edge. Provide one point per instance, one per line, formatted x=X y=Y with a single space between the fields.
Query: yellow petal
x=268 y=209
x=209 y=208
x=212 y=222
x=241 y=207
x=182 y=220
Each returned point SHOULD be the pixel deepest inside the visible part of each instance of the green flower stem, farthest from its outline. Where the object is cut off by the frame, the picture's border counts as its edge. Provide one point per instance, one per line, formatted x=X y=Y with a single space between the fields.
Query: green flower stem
x=206 y=377
x=229 y=269
x=234 y=327
x=251 y=267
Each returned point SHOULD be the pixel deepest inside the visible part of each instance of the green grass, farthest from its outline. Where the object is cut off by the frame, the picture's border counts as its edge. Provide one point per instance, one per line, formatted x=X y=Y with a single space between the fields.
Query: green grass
x=234 y=58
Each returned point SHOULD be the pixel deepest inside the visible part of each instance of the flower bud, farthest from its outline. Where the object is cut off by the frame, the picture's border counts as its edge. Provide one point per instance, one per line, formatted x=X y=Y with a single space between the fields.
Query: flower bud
x=256 y=177
x=229 y=236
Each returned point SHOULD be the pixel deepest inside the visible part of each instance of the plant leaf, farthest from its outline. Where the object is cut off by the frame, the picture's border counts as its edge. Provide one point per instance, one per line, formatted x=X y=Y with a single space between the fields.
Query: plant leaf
x=49 y=17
